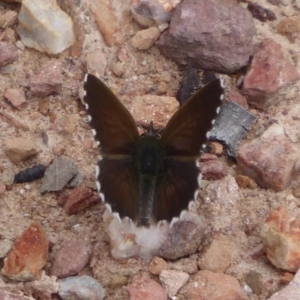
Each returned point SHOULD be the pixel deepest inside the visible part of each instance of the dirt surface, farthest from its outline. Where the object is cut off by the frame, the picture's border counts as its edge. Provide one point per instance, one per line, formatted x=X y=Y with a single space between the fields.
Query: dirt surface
x=22 y=203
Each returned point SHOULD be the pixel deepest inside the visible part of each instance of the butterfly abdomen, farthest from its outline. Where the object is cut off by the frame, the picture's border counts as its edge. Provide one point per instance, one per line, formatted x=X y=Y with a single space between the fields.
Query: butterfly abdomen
x=150 y=156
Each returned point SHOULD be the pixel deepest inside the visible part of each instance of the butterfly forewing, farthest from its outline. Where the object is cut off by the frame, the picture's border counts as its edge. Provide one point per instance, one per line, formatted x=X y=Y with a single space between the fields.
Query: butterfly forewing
x=114 y=126
x=183 y=139
x=186 y=131
x=116 y=131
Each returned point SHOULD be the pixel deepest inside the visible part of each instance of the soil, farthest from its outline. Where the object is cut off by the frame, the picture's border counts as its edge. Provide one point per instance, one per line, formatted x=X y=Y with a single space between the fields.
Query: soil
x=22 y=203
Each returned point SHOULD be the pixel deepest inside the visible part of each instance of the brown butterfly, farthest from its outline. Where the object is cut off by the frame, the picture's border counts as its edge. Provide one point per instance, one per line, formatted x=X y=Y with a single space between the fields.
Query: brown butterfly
x=152 y=177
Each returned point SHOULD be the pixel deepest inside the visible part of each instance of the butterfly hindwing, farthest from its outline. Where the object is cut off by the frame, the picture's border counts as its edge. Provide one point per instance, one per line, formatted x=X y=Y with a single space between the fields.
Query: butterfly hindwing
x=175 y=189
x=120 y=185
x=114 y=126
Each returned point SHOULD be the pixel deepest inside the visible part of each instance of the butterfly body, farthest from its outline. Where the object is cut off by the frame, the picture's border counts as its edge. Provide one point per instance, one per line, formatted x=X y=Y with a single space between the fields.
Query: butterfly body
x=149 y=178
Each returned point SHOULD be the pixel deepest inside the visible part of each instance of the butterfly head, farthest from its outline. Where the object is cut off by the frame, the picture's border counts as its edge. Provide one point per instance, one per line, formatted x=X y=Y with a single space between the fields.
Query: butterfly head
x=150 y=131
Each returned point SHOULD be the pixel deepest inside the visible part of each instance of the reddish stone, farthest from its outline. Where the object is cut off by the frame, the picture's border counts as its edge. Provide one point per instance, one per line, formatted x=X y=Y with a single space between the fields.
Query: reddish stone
x=146 y=289
x=201 y=42
x=156 y=265
x=238 y=98
x=79 y=199
x=15 y=96
x=213 y=170
x=214 y=286
x=7 y=54
x=245 y=182
x=281 y=238
x=271 y=160
x=271 y=72
x=71 y=259
x=184 y=238
x=28 y=255
x=49 y=79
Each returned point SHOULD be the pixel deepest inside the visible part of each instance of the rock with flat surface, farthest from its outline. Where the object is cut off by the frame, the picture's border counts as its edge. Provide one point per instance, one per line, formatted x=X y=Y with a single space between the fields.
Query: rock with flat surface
x=271 y=160
x=48 y=80
x=28 y=255
x=146 y=289
x=45 y=27
x=214 y=286
x=16 y=97
x=271 y=73
x=281 y=238
x=8 y=53
x=20 y=149
x=219 y=40
x=71 y=258
x=173 y=280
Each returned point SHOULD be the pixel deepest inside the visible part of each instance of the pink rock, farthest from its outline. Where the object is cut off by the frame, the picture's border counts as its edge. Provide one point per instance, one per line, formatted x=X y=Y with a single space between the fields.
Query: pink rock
x=156 y=265
x=7 y=54
x=213 y=170
x=271 y=72
x=281 y=238
x=271 y=160
x=146 y=289
x=214 y=286
x=71 y=259
x=217 y=257
x=28 y=255
x=184 y=238
x=201 y=42
x=238 y=98
x=15 y=96
x=173 y=280
x=49 y=79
